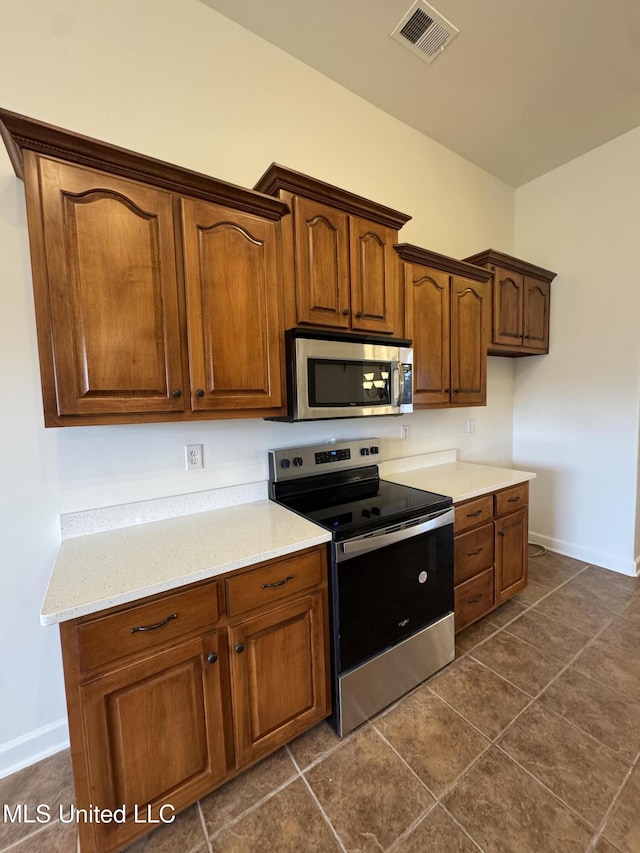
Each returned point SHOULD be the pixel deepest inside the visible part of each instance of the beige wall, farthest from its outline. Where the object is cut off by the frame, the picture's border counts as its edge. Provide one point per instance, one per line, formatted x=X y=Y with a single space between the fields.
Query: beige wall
x=174 y=80
x=576 y=411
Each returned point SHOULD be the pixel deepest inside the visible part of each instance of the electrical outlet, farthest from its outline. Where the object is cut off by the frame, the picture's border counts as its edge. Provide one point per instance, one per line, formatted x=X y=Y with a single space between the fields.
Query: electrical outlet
x=471 y=425
x=193 y=454
x=405 y=432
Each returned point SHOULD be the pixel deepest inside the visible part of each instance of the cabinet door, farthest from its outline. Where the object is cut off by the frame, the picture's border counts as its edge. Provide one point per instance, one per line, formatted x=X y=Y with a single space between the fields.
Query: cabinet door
x=511 y=554
x=231 y=273
x=112 y=290
x=374 y=276
x=536 y=314
x=508 y=307
x=427 y=324
x=469 y=338
x=278 y=676
x=154 y=734
x=321 y=253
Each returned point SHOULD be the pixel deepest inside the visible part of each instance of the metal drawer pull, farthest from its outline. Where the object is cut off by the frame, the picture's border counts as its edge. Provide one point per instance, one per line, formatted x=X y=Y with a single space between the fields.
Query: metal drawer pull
x=474 y=514
x=239 y=648
x=157 y=625
x=474 y=553
x=475 y=599
x=278 y=583
x=212 y=657
x=513 y=500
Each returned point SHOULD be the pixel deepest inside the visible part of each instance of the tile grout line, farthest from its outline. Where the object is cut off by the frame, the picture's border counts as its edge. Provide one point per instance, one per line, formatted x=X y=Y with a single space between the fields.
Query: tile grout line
x=254 y=806
x=204 y=828
x=302 y=775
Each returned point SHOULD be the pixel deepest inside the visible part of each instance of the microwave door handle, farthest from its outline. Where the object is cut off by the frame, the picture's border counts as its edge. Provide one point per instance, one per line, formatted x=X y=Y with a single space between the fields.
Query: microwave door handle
x=398 y=384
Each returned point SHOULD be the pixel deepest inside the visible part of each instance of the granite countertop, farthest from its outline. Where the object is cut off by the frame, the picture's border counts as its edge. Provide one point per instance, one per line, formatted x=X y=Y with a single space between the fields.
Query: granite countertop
x=115 y=555
x=101 y=570
x=459 y=480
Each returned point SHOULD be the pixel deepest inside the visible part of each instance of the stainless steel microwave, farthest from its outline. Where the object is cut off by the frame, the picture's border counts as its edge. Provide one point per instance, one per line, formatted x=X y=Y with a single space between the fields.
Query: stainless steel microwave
x=347 y=376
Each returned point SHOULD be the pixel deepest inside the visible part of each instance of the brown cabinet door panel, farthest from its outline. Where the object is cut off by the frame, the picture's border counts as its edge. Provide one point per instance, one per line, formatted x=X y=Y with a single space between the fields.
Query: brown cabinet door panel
x=469 y=329
x=473 y=599
x=231 y=278
x=536 y=314
x=110 y=256
x=472 y=552
x=508 y=307
x=322 y=264
x=511 y=554
x=427 y=324
x=374 y=276
x=154 y=734
x=278 y=676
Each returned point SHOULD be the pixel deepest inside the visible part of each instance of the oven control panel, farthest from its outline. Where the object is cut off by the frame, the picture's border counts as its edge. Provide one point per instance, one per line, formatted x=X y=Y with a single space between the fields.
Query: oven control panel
x=287 y=463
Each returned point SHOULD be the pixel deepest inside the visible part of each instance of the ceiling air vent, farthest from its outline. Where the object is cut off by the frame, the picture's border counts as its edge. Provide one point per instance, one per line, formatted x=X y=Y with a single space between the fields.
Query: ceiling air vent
x=424 y=31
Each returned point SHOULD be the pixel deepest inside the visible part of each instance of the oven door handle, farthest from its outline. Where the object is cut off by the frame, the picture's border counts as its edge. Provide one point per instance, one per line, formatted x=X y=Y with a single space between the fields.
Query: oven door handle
x=373 y=542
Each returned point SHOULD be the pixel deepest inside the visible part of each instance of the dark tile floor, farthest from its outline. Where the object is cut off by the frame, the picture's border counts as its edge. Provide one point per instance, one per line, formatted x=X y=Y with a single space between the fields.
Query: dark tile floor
x=529 y=741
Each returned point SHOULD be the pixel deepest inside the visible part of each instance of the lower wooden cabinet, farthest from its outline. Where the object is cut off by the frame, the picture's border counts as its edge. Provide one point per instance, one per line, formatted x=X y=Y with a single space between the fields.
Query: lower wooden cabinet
x=490 y=552
x=277 y=677
x=193 y=695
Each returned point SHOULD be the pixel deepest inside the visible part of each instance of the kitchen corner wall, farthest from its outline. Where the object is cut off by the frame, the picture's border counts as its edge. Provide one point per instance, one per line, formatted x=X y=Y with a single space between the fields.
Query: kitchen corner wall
x=576 y=420
x=175 y=80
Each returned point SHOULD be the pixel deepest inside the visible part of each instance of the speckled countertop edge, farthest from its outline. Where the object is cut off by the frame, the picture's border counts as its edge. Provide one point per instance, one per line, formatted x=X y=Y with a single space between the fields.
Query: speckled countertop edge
x=102 y=570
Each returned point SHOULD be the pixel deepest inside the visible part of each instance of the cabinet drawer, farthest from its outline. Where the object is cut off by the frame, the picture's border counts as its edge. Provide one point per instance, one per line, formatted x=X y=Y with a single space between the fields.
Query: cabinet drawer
x=472 y=552
x=143 y=626
x=512 y=499
x=273 y=582
x=473 y=599
x=473 y=513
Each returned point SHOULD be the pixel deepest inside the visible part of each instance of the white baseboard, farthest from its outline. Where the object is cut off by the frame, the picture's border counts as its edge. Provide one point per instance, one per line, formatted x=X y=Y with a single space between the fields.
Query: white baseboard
x=588 y=555
x=33 y=747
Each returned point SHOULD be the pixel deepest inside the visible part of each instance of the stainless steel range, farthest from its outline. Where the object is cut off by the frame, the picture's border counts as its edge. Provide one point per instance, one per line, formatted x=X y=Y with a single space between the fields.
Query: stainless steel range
x=391 y=576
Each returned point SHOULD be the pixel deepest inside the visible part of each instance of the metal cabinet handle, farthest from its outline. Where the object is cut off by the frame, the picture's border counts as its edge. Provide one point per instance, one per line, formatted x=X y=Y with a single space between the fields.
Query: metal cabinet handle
x=474 y=600
x=157 y=624
x=200 y=392
x=176 y=393
x=346 y=312
x=212 y=657
x=278 y=583
x=500 y=532
x=239 y=648
x=513 y=500
x=359 y=314
x=474 y=553
x=474 y=514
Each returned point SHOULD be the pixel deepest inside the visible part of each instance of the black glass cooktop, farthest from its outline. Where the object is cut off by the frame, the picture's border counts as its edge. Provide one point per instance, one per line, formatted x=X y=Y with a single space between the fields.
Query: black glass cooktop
x=349 y=508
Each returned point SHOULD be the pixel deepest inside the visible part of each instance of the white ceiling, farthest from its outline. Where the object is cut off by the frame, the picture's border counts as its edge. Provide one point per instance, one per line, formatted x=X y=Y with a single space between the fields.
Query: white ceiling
x=526 y=86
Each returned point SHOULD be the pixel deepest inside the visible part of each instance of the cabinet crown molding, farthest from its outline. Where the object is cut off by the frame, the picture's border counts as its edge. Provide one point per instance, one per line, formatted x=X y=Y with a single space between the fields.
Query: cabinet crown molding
x=22 y=133
x=425 y=257
x=500 y=259
x=278 y=178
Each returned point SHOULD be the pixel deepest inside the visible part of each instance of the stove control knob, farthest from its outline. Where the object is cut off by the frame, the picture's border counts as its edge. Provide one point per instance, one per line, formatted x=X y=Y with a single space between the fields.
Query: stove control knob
x=284 y=463
x=297 y=461
x=375 y=449
x=366 y=513
x=375 y=510
x=364 y=451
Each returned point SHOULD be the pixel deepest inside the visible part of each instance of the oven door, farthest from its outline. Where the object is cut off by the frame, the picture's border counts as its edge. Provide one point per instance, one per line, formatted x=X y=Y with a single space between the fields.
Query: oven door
x=388 y=585
x=339 y=378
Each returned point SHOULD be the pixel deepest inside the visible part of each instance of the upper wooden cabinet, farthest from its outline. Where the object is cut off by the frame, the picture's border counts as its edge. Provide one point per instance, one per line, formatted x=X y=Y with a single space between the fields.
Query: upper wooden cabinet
x=521 y=300
x=447 y=318
x=340 y=270
x=157 y=290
